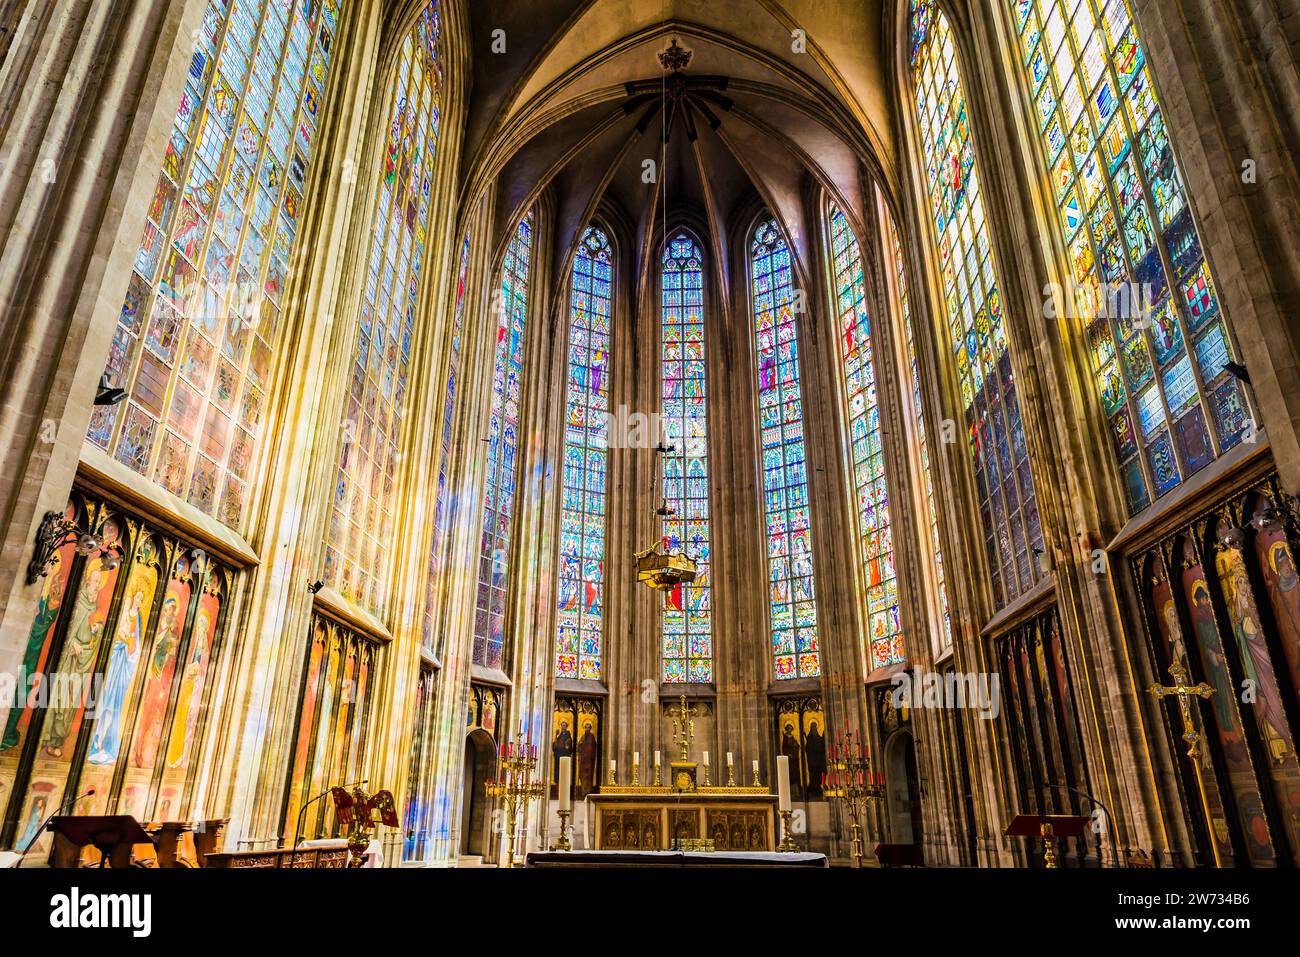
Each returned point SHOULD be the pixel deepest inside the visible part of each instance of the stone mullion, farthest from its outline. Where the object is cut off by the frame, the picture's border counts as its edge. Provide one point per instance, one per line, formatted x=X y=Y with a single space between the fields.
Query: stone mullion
x=1077 y=456
x=909 y=514
x=265 y=673
x=967 y=577
x=742 y=638
x=1053 y=452
x=421 y=449
x=459 y=563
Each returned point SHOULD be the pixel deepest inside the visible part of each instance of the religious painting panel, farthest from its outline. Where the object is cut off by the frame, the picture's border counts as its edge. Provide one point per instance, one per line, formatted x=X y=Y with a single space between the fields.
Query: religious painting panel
x=1173 y=648
x=337 y=690
x=1230 y=593
x=800 y=730
x=1042 y=735
x=576 y=734
x=37 y=653
x=92 y=656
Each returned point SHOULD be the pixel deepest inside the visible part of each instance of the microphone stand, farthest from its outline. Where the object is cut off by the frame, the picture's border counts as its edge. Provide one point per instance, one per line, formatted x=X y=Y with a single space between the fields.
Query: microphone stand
x=70 y=802
x=303 y=810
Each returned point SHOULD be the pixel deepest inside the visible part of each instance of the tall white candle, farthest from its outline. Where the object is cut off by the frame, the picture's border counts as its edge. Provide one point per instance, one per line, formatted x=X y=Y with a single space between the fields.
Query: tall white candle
x=756 y=767
x=706 y=759
x=782 y=782
x=656 y=759
x=636 y=758
x=566 y=783
x=729 y=761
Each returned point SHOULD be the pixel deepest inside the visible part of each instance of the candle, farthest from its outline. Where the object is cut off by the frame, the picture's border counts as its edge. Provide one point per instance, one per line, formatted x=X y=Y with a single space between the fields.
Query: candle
x=566 y=783
x=706 y=759
x=729 y=762
x=613 y=765
x=636 y=758
x=756 y=767
x=656 y=759
x=783 y=782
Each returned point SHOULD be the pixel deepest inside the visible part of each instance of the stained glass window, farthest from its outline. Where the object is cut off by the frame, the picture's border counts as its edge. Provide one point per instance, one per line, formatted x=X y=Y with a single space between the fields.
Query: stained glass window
x=361 y=529
x=195 y=339
x=923 y=447
x=884 y=639
x=443 y=509
x=1132 y=244
x=582 y=519
x=791 y=590
x=503 y=445
x=1013 y=536
x=688 y=609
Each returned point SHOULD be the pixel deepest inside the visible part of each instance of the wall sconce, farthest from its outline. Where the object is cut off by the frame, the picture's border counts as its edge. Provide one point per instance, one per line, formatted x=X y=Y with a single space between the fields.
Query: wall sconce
x=54 y=532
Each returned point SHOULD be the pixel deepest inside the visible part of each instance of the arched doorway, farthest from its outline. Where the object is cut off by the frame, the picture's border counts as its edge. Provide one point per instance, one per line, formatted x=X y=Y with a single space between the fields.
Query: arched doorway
x=904 y=789
x=480 y=765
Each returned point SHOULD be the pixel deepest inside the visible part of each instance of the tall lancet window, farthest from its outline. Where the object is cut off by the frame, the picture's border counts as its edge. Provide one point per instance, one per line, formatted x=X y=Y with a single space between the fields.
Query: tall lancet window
x=1125 y=219
x=582 y=519
x=923 y=447
x=503 y=446
x=1013 y=536
x=688 y=610
x=358 y=543
x=195 y=339
x=884 y=639
x=792 y=596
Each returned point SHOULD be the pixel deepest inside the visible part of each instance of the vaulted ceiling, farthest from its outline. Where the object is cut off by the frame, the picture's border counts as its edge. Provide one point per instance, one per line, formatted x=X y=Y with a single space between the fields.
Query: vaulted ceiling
x=579 y=100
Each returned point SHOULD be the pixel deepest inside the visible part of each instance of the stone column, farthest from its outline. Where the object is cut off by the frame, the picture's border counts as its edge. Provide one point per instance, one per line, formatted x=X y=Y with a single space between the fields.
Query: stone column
x=89 y=89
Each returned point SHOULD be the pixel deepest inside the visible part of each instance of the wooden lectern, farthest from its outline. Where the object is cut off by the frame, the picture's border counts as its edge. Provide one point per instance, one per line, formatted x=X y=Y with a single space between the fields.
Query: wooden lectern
x=112 y=835
x=1049 y=827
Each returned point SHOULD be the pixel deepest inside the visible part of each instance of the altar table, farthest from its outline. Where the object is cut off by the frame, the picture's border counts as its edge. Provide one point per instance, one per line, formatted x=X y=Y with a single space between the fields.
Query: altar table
x=673 y=859
x=645 y=819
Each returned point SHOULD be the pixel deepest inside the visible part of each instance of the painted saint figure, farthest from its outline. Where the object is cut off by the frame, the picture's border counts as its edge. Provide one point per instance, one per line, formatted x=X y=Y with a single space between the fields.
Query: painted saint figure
x=78 y=658
x=117 y=681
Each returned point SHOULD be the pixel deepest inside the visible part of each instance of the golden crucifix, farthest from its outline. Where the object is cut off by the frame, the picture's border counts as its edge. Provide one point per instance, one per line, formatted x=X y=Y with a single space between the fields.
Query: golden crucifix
x=1184 y=691
x=684 y=728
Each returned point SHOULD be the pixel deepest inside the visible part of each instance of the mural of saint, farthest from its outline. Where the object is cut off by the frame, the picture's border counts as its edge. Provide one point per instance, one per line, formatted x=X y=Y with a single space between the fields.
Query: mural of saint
x=158 y=677
x=1255 y=656
x=79 y=648
x=1280 y=580
x=191 y=696
x=588 y=758
x=561 y=747
x=790 y=748
x=47 y=610
x=117 y=679
x=814 y=750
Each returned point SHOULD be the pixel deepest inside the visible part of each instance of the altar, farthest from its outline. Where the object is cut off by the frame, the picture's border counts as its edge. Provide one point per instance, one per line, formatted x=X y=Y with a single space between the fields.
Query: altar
x=660 y=819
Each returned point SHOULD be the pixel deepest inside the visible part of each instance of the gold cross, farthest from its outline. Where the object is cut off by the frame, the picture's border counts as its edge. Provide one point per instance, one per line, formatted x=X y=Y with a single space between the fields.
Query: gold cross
x=1184 y=691
x=684 y=729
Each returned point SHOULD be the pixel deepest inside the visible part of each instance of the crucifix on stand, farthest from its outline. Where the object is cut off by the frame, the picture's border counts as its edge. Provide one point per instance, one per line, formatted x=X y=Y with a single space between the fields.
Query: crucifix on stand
x=1184 y=692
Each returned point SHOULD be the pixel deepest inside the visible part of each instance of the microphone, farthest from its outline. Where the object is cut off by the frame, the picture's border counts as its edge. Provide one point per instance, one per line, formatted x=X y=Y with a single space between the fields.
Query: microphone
x=303 y=810
x=57 y=811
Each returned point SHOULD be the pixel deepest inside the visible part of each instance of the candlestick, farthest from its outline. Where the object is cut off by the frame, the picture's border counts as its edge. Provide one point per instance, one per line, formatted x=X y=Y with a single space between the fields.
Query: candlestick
x=849 y=778
x=613 y=768
x=515 y=783
x=636 y=769
x=756 y=781
x=731 y=772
